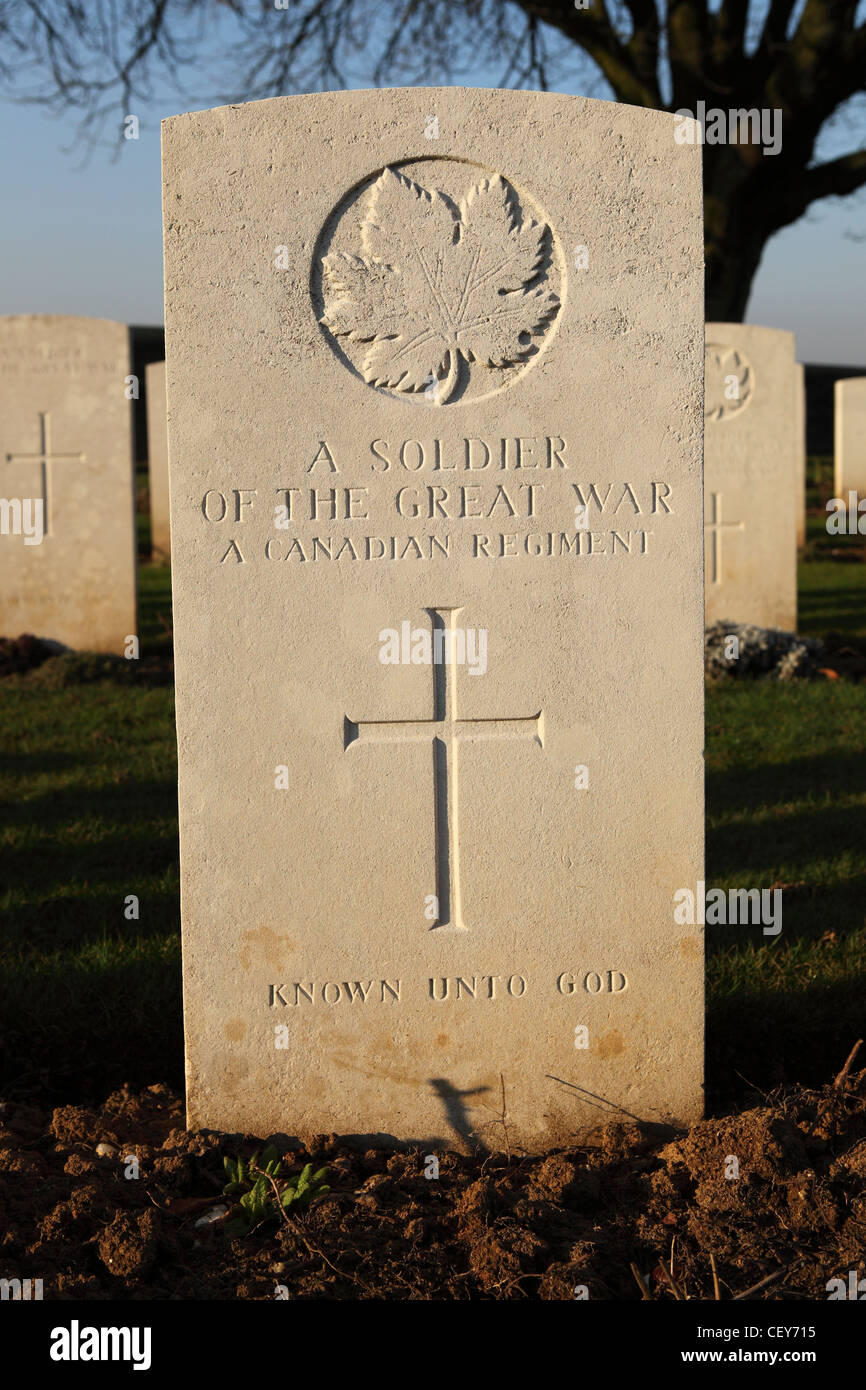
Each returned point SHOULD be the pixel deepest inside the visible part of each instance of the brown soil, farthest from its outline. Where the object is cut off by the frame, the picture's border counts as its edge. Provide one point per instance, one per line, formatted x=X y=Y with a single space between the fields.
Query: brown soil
x=492 y=1227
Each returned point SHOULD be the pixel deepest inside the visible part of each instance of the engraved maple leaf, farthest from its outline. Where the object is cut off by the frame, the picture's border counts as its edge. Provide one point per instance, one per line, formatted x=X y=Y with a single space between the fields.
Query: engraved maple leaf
x=722 y=363
x=434 y=286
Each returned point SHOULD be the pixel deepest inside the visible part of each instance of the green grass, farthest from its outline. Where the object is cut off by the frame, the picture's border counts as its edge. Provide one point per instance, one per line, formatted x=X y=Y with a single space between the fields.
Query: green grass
x=88 y=816
x=832 y=578
x=786 y=807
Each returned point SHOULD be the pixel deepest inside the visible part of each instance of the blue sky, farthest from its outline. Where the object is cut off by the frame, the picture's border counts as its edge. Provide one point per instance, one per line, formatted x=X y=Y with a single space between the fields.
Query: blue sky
x=81 y=232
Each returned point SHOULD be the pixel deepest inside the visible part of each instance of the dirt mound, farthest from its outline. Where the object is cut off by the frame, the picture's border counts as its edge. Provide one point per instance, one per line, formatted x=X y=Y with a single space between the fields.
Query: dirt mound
x=70 y=669
x=24 y=653
x=121 y=1202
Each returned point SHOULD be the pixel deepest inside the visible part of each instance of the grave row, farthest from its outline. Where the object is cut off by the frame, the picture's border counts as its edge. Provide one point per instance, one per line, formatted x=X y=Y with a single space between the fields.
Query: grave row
x=66 y=396
x=430 y=419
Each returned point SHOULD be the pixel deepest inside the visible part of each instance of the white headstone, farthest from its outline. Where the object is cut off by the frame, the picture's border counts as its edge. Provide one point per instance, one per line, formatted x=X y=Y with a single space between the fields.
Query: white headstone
x=433 y=401
x=750 y=482
x=850 y=438
x=800 y=421
x=157 y=461
x=66 y=456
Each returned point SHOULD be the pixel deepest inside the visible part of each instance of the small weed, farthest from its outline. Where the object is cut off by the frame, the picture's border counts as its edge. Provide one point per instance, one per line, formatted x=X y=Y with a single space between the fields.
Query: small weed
x=264 y=1189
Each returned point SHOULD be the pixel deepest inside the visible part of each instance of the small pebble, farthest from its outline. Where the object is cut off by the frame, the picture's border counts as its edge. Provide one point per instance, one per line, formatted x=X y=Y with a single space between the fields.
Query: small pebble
x=215 y=1214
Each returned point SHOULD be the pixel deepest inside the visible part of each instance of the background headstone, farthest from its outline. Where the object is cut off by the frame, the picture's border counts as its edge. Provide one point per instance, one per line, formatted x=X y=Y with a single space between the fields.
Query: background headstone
x=157 y=461
x=66 y=440
x=800 y=415
x=750 y=476
x=420 y=385
x=850 y=438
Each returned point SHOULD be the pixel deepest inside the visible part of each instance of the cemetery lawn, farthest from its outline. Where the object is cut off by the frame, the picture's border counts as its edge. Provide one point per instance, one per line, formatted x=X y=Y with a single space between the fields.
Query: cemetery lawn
x=88 y=817
x=786 y=808
x=91 y=998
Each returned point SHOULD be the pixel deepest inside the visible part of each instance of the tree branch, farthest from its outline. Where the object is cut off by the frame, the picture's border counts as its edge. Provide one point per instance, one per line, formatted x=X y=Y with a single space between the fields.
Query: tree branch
x=835 y=178
x=775 y=29
x=625 y=65
x=688 y=29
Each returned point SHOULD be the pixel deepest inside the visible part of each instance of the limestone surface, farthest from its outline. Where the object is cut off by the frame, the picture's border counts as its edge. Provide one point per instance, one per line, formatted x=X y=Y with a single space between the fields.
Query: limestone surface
x=800 y=448
x=157 y=461
x=850 y=437
x=434 y=363
x=751 y=472
x=67 y=512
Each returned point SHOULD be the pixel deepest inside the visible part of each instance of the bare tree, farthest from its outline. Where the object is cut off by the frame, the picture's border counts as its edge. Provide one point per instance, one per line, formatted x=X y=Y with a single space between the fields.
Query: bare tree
x=805 y=59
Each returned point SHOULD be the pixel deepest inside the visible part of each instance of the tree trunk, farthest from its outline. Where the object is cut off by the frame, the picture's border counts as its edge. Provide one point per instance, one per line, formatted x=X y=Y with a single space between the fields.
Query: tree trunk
x=731 y=263
x=741 y=213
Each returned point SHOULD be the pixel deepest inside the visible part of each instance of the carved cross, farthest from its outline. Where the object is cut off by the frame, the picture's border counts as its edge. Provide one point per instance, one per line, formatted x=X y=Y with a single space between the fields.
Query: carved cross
x=45 y=458
x=715 y=526
x=445 y=730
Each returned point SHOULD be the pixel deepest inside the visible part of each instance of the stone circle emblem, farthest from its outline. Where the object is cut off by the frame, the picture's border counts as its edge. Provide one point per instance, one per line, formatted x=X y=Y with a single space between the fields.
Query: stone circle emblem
x=438 y=293
x=729 y=382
